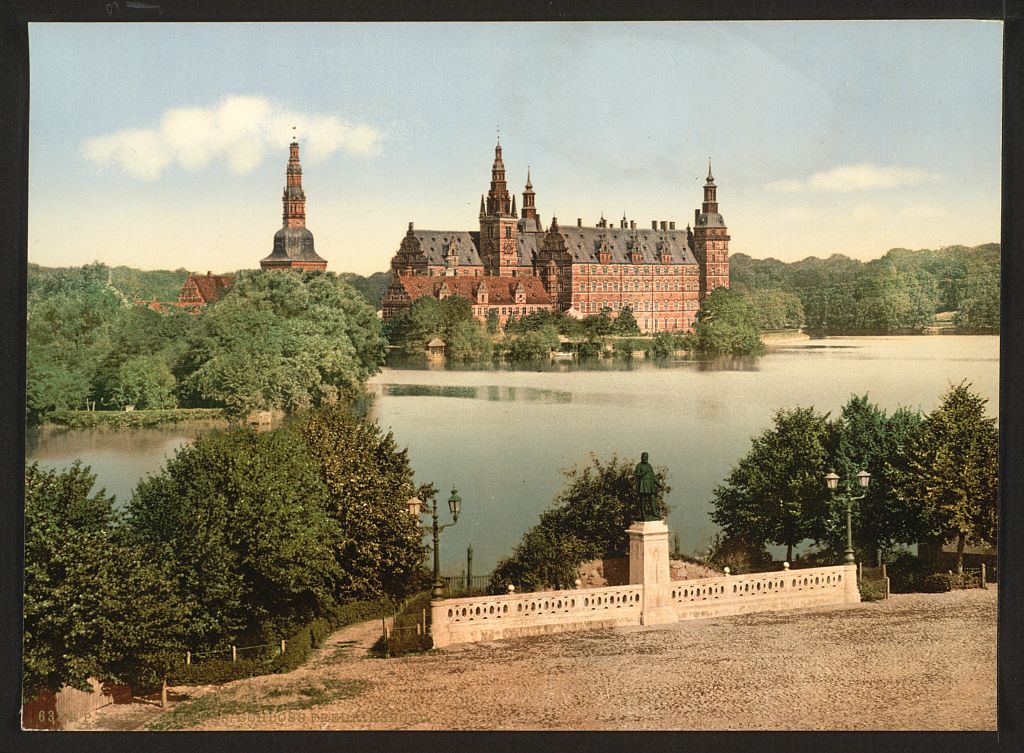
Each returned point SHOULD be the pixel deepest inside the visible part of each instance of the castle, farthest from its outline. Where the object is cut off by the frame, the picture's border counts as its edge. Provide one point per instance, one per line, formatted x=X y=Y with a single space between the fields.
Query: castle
x=512 y=266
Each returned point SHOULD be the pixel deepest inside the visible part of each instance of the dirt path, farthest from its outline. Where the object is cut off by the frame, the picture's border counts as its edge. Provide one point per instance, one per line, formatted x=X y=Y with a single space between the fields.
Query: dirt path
x=917 y=661
x=348 y=644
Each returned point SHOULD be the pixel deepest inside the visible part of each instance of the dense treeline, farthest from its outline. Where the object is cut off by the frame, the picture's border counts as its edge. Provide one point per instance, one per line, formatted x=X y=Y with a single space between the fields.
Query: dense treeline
x=284 y=341
x=727 y=325
x=241 y=538
x=934 y=478
x=903 y=290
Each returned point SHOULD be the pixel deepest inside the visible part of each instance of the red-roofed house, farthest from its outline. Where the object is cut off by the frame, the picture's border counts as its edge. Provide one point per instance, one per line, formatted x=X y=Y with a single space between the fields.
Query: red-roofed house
x=199 y=290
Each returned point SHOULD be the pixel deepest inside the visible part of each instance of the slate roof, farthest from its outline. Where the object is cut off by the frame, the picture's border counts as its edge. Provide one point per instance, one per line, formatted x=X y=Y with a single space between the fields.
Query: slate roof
x=582 y=242
x=500 y=290
x=295 y=244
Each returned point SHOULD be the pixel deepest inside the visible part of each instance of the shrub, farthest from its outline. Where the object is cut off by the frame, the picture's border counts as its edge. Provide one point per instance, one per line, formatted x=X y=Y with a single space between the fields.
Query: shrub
x=872 y=590
x=404 y=637
x=298 y=646
x=936 y=583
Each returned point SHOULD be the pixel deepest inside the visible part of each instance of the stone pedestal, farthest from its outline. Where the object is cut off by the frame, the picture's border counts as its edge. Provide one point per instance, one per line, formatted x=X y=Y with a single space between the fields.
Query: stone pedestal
x=648 y=566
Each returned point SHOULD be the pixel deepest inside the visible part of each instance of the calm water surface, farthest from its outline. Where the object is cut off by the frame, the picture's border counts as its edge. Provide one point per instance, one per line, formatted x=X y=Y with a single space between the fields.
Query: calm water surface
x=502 y=436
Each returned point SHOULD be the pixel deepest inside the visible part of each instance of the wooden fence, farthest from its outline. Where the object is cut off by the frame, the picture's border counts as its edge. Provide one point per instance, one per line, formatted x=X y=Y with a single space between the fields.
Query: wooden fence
x=51 y=710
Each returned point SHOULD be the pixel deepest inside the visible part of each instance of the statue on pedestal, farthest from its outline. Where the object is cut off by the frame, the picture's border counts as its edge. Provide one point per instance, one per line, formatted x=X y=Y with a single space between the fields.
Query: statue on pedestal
x=647 y=487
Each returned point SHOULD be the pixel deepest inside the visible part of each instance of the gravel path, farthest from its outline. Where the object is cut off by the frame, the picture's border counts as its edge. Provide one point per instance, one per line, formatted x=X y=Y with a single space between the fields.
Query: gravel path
x=918 y=661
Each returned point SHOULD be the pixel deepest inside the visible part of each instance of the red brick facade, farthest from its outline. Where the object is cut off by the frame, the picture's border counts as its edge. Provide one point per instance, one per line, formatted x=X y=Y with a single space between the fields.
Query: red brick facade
x=661 y=273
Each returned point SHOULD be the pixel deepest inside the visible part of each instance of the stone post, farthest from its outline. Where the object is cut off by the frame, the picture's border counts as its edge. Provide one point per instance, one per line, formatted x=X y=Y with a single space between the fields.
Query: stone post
x=850 y=580
x=648 y=566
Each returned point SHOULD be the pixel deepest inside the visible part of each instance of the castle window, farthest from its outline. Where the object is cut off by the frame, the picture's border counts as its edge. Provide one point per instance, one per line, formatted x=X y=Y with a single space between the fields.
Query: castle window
x=508 y=231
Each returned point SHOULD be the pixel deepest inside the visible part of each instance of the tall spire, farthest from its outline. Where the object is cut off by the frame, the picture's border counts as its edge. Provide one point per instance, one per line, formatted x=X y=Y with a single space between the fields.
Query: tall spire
x=294 y=198
x=529 y=200
x=498 y=199
x=710 y=205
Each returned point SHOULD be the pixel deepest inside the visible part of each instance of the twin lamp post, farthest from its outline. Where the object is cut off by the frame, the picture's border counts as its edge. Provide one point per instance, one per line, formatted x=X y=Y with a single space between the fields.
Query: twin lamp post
x=863 y=478
x=415 y=506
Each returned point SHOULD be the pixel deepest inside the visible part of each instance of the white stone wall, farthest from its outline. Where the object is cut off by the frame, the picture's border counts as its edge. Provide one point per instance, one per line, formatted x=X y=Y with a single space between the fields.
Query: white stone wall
x=487 y=618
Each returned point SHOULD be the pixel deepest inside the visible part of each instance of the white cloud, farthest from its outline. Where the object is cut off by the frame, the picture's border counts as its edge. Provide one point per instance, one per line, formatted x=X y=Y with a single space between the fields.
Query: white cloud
x=850 y=178
x=239 y=130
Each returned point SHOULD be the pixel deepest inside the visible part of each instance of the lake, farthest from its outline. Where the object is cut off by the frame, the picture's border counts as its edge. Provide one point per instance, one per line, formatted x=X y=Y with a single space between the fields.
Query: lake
x=502 y=436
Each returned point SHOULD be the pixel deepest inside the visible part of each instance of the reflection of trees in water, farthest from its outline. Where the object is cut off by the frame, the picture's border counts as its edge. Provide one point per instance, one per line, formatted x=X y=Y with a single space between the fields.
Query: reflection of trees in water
x=728 y=363
x=58 y=441
x=492 y=393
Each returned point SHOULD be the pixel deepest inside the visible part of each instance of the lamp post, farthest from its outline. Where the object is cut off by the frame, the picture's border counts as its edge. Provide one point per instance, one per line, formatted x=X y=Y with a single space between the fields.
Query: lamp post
x=454 y=506
x=832 y=480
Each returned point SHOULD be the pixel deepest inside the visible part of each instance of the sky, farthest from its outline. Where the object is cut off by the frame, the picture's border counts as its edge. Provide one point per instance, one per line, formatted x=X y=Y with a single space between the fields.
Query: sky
x=162 y=146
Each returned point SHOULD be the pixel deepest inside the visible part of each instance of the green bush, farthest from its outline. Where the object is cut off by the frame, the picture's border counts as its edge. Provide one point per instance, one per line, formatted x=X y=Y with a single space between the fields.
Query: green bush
x=936 y=583
x=871 y=590
x=404 y=637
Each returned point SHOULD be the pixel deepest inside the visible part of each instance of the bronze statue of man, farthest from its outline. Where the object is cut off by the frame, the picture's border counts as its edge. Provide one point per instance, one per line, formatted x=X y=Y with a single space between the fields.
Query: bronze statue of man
x=647 y=487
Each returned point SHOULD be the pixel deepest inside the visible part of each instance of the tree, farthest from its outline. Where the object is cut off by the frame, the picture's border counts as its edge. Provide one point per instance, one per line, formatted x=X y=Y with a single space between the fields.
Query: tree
x=368 y=482
x=727 y=325
x=534 y=344
x=96 y=605
x=949 y=471
x=493 y=321
x=776 y=309
x=625 y=322
x=285 y=341
x=868 y=439
x=143 y=381
x=587 y=519
x=242 y=518
x=776 y=493
x=467 y=341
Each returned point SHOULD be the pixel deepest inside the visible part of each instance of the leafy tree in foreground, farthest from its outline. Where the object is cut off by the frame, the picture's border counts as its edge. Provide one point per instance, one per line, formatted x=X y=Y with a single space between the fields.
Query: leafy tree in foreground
x=368 y=482
x=727 y=325
x=588 y=519
x=242 y=518
x=776 y=492
x=96 y=604
x=868 y=439
x=949 y=472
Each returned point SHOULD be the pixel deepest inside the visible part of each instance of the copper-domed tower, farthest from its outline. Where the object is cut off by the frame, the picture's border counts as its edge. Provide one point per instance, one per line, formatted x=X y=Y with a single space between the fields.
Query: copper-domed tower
x=293 y=243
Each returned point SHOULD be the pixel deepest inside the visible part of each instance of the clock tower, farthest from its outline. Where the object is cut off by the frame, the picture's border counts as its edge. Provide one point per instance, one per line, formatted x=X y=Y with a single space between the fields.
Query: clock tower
x=499 y=234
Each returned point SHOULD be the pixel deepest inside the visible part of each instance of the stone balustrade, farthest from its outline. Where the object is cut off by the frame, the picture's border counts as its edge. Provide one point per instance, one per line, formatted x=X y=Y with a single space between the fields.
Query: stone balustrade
x=506 y=616
x=485 y=618
x=761 y=592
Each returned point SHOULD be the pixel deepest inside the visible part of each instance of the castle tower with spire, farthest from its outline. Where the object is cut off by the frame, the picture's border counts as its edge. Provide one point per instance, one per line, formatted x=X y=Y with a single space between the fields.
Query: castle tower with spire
x=499 y=231
x=711 y=240
x=658 y=273
x=293 y=243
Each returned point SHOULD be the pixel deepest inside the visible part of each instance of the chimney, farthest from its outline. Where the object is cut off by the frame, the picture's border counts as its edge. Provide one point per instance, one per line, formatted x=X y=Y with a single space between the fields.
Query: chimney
x=579 y=222
x=410 y=227
x=632 y=224
x=696 y=217
x=207 y=273
x=664 y=225
x=671 y=225
x=654 y=224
